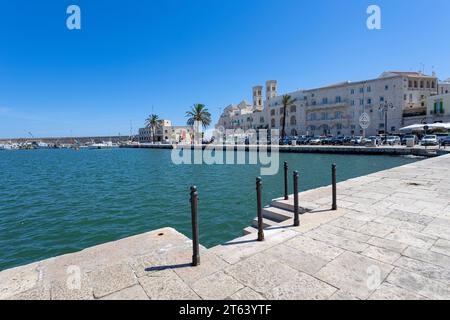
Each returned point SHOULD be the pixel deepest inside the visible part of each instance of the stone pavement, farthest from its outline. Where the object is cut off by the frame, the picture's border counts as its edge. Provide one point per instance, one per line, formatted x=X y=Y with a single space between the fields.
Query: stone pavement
x=390 y=239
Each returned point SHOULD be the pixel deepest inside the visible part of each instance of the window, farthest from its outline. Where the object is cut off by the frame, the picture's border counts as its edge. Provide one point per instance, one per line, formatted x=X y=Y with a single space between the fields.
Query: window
x=386 y=87
x=369 y=89
x=338 y=99
x=272 y=112
x=381 y=126
x=381 y=99
x=293 y=121
x=324 y=100
x=261 y=120
x=410 y=83
x=361 y=90
x=352 y=103
x=405 y=97
x=272 y=123
x=281 y=121
x=339 y=126
x=369 y=101
x=338 y=115
x=361 y=102
x=393 y=129
x=352 y=91
x=293 y=108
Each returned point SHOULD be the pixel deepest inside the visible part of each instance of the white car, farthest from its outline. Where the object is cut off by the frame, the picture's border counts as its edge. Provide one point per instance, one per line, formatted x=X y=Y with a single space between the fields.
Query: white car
x=393 y=140
x=429 y=140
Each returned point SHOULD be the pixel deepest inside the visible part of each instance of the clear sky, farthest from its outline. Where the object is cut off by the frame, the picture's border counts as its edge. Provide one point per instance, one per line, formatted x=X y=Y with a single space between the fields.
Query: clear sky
x=132 y=55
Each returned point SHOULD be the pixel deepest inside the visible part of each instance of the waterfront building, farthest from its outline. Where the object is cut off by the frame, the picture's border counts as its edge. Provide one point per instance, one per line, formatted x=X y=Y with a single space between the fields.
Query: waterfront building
x=167 y=133
x=336 y=109
x=438 y=108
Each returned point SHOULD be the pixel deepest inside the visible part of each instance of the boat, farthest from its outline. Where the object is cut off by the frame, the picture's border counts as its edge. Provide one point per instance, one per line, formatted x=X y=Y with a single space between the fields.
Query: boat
x=103 y=145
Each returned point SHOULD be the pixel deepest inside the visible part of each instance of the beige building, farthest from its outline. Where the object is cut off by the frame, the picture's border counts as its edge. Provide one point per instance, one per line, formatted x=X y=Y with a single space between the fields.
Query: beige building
x=167 y=133
x=336 y=109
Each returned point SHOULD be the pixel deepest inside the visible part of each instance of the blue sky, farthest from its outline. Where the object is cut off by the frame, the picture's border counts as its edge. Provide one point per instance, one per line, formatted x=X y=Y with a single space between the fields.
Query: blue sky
x=169 y=54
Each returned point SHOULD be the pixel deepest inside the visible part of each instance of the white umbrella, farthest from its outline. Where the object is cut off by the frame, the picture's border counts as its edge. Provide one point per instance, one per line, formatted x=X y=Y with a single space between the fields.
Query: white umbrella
x=414 y=127
x=439 y=126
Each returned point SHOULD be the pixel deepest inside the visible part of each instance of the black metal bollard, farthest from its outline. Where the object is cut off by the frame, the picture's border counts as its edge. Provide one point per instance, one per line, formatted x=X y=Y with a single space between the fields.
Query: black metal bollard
x=194 y=216
x=296 y=206
x=259 y=208
x=286 y=190
x=333 y=181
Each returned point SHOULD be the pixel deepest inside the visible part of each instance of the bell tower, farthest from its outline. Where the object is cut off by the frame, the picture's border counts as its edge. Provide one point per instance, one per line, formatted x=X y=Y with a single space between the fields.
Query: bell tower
x=271 y=89
x=257 y=98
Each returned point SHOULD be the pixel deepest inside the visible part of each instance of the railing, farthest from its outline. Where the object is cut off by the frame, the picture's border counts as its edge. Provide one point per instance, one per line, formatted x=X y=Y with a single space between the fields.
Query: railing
x=296 y=223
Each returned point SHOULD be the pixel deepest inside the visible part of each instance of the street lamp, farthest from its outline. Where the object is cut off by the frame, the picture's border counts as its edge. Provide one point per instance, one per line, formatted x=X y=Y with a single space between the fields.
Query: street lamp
x=385 y=108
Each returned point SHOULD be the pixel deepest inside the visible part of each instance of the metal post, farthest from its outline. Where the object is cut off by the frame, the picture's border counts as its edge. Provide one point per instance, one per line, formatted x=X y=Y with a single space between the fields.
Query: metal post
x=195 y=241
x=259 y=206
x=333 y=181
x=286 y=196
x=296 y=208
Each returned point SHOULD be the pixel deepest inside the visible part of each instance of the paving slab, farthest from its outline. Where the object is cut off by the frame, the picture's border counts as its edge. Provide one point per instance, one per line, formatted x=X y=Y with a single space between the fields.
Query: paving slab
x=355 y=274
x=246 y=294
x=388 y=291
x=419 y=284
x=261 y=273
x=167 y=286
x=224 y=286
x=132 y=293
x=302 y=287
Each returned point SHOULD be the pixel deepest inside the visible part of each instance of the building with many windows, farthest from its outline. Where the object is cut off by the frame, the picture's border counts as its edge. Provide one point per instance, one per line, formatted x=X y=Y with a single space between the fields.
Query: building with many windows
x=336 y=109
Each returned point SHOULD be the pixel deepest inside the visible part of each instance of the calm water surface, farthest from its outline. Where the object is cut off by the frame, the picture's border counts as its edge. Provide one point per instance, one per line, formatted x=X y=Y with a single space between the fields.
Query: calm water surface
x=59 y=201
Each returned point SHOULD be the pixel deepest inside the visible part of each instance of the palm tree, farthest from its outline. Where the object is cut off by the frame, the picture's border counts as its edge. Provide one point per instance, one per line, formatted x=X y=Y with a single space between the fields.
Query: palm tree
x=152 y=122
x=198 y=114
x=287 y=102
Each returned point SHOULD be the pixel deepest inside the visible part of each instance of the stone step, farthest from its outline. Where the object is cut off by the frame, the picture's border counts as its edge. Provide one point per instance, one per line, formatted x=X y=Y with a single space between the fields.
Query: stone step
x=289 y=205
x=249 y=230
x=277 y=214
x=266 y=223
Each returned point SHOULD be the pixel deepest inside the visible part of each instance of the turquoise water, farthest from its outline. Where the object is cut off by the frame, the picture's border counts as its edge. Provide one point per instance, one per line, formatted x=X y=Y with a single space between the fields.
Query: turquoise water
x=59 y=201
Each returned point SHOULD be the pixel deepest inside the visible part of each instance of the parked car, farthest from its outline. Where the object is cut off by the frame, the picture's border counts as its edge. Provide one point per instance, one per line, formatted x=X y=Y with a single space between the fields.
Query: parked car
x=356 y=140
x=303 y=140
x=337 y=141
x=371 y=141
x=326 y=140
x=410 y=136
x=347 y=140
x=429 y=140
x=315 y=141
x=445 y=141
x=393 y=140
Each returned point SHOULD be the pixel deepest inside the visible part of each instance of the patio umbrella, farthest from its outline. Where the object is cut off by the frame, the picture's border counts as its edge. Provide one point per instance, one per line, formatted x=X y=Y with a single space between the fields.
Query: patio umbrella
x=445 y=126
x=414 y=127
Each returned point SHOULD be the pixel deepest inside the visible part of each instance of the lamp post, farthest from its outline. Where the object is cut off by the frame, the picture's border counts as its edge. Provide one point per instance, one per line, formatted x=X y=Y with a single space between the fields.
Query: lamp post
x=385 y=108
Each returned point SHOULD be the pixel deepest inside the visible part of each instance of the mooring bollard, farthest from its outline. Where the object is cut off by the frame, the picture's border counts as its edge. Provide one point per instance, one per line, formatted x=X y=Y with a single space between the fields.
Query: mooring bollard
x=286 y=191
x=296 y=207
x=195 y=241
x=333 y=181
x=259 y=208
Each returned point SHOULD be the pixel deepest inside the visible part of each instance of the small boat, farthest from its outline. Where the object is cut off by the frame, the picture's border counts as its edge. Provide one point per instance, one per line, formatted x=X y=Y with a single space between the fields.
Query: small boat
x=103 y=145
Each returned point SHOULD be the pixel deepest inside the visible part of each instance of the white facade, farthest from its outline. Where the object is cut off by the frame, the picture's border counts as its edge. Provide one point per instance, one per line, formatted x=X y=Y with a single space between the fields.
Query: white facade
x=166 y=133
x=336 y=109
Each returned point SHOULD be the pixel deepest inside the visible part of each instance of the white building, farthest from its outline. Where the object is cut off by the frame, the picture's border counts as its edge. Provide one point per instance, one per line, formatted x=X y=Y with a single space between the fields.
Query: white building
x=166 y=133
x=335 y=109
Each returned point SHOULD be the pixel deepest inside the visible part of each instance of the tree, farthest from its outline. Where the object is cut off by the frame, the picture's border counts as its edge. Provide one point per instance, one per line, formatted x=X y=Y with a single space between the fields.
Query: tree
x=153 y=123
x=287 y=102
x=198 y=114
